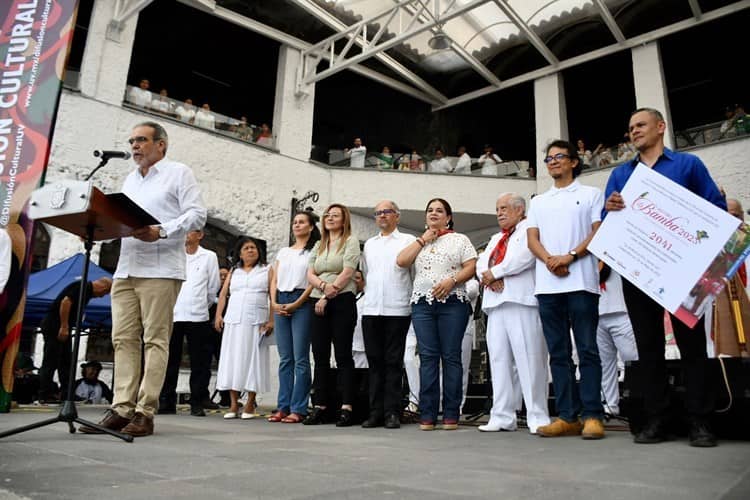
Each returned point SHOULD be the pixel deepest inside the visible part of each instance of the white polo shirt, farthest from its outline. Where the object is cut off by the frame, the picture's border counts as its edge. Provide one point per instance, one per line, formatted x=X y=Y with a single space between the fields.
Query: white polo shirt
x=199 y=288
x=388 y=286
x=564 y=217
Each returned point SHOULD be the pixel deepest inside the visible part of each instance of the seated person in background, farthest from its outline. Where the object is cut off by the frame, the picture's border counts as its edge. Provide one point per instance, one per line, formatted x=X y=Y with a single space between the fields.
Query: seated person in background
x=584 y=154
x=727 y=126
x=264 y=136
x=90 y=389
x=26 y=382
x=162 y=103
x=602 y=156
x=186 y=111
x=415 y=161
x=440 y=164
x=204 y=118
x=463 y=165
x=243 y=130
x=489 y=161
x=140 y=96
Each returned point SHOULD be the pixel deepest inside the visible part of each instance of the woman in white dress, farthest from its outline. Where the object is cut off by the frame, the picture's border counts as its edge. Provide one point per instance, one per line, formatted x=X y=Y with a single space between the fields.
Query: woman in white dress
x=244 y=359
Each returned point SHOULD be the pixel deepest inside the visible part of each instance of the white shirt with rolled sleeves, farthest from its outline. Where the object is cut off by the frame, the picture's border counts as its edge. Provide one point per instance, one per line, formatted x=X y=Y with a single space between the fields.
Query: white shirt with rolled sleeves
x=357 y=157
x=170 y=193
x=200 y=287
x=564 y=217
x=516 y=270
x=389 y=286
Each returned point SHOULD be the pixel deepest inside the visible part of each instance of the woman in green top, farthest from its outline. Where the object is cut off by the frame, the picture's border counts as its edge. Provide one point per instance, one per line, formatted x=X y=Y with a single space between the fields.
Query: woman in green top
x=332 y=263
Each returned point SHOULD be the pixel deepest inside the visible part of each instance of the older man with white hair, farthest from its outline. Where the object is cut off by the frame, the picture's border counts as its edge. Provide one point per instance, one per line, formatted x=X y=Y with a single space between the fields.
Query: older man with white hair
x=514 y=330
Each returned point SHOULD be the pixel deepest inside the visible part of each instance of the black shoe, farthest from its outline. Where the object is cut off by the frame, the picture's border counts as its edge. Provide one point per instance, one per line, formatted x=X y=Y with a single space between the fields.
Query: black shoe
x=345 y=418
x=315 y=417
x=700 y=434
x=167 y=410
x=392 y=421
x=372 y=422
x=197 y=411
x=652 y=433
x=207 y=404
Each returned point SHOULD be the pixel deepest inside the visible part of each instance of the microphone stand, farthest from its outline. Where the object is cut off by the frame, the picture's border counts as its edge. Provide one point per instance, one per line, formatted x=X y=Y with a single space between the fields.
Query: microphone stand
x=68 y=412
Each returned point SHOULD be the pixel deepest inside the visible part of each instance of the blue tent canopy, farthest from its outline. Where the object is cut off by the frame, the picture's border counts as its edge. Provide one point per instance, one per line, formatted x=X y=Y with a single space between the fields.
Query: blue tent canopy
x=46 y=285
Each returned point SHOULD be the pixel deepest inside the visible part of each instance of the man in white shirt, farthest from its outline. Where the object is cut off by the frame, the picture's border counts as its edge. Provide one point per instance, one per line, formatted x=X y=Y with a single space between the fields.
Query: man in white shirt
x=148 y=278
x=140 y=96
x=191 y=322
x=514 y=330
x=186 y=111
x=489 y=161
x=357 y=154
x=463 y=165
x=561 y=223
x=204 y=118
x=386 y=315
x=440 y=164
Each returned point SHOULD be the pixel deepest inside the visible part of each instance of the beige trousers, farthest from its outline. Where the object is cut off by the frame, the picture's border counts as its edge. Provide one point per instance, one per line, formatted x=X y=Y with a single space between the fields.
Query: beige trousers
x=142 y=312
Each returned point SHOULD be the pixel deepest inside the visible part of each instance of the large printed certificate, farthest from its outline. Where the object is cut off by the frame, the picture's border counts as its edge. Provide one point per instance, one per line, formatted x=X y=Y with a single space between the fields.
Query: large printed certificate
x=672 y=244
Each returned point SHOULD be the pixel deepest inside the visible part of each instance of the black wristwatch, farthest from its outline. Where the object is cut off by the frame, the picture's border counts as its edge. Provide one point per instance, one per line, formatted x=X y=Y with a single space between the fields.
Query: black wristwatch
x=573 y=254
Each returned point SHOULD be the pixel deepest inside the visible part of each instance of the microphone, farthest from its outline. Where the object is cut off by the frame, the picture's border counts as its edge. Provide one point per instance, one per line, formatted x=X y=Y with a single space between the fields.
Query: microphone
x=106 y=155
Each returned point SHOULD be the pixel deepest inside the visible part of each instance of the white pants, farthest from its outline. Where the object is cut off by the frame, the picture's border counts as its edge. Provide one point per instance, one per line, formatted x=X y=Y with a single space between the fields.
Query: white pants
x=467 y=345
x=411 y=364
x=514 y=336
x=614 y=335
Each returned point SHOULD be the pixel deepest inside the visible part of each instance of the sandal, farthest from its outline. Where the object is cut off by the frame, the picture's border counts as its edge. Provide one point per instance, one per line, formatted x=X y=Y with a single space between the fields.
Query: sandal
x=292 y=418
x=278 y=416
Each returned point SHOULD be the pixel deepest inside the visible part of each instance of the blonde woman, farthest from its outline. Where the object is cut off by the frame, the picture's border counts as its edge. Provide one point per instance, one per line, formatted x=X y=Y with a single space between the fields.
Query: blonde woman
x=332 y=263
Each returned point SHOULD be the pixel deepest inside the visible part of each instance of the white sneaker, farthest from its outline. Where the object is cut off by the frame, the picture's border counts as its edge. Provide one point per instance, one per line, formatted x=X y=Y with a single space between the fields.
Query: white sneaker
x=229 y=415
x=248 y=416
x=492 y=428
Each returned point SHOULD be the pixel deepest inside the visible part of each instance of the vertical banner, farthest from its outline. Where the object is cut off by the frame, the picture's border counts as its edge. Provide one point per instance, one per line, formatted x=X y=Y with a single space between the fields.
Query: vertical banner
x=34 y=45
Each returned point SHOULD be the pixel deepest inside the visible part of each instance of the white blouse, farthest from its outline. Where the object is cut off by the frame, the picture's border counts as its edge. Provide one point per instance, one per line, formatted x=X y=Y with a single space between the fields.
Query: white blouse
x=440 y=259
x=291 y=271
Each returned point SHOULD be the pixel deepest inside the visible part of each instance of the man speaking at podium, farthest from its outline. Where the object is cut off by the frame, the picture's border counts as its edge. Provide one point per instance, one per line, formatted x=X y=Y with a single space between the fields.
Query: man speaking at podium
x=148 y=278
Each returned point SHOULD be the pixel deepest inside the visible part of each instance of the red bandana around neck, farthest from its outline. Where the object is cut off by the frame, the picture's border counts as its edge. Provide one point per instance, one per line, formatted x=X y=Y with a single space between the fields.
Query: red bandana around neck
x=498 y=254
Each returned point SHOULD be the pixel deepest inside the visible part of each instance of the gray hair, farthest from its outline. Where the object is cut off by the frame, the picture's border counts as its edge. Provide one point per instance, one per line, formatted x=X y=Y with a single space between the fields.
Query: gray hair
x=160 y=133
x=516 y=200
x=393 y=204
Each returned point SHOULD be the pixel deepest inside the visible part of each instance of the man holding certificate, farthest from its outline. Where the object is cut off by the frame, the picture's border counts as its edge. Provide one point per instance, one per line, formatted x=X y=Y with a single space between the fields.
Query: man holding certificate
x=646 y=128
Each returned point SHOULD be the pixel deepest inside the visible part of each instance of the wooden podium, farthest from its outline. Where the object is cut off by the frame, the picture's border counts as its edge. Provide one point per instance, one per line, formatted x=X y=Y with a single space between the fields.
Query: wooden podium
x=80 y=208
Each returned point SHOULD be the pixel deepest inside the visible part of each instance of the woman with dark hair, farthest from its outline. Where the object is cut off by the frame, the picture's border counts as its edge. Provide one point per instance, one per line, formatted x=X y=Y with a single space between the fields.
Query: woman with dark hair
x=244 y=359
x=332 y=263
x=443 y=261
x=293 y=313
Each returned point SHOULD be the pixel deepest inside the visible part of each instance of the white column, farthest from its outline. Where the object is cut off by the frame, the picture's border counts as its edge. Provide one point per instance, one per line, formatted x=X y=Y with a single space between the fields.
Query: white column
x=292 y=111
x=106 y=59
x=650 y=86
x=551 y=118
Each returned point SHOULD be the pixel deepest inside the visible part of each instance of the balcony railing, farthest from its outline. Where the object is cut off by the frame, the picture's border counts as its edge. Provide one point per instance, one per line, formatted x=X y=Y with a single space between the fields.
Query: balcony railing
x=712 y=132
x=424 y=164
x=192 y=115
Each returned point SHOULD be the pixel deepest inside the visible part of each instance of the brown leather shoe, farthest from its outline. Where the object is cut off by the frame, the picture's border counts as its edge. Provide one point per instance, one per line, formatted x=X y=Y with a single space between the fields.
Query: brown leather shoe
x=561 y=427
x=140 y=426
x=593 y=428
x=112 y=420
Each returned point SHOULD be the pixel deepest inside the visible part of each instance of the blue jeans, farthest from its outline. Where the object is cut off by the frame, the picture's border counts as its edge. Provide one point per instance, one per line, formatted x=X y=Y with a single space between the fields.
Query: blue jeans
x=293 y=342
x=559 y=312
x=440 y=329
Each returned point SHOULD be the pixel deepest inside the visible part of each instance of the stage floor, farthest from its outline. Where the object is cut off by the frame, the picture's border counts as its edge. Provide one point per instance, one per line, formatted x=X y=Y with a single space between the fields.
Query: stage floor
x=200 y=458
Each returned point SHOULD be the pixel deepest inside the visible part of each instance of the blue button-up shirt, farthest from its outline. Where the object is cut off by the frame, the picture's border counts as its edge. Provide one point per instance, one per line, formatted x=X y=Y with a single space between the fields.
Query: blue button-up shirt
x=685 y=169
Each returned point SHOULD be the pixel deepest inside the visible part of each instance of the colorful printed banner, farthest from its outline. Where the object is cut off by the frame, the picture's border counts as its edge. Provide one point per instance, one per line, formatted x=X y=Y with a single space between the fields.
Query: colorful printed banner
x=34 y=45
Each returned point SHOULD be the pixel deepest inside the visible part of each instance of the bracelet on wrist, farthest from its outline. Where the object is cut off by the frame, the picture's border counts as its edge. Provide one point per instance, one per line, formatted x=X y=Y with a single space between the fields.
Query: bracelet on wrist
x=322 y=285
x=455 y=281
x=421 y=242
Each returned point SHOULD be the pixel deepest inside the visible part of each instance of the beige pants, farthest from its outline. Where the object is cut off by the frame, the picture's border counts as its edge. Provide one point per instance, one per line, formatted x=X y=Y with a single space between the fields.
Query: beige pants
x=142 y=311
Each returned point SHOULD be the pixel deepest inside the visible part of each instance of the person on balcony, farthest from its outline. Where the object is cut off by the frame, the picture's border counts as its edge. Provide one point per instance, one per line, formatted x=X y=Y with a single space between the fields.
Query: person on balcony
x=440 y=165
x=186 y=111
x=357 y=154
x=140 y=96
x=204 y=118
x=265 y=138
x=463 y=165
x=489 y=161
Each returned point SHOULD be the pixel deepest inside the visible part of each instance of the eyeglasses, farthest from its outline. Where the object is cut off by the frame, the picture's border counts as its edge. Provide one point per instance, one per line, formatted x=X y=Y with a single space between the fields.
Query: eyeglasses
x=557 y=157
x=386 y=211
x=140 y=139
x=332 y=214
